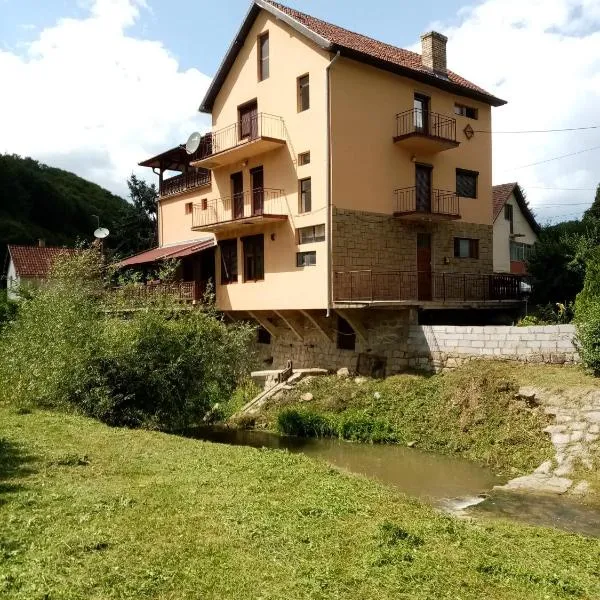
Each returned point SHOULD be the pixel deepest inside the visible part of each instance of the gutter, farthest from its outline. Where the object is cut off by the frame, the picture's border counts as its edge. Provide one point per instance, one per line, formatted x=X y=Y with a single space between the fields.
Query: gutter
x=329 y=211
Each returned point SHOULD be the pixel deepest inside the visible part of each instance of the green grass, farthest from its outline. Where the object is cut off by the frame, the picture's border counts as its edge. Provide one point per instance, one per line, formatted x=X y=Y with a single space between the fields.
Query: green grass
x=473 y=412
x=91 y=513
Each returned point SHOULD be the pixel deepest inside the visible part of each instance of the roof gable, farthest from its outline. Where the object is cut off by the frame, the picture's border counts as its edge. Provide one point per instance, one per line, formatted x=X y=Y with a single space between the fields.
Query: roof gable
x=350 y=44
x=35 y=261
x=501 y=193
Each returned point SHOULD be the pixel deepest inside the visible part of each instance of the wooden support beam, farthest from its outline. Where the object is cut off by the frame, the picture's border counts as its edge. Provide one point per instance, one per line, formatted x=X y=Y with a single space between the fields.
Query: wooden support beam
x=355 y=323
x=265 y=324
x=319 y=325
x=292 y=326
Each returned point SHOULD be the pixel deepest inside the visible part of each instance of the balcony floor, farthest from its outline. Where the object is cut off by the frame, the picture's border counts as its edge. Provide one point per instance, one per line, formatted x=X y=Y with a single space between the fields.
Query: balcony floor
x=424 y=216
x=420 y=143
x=242 y=151
x=236 y=223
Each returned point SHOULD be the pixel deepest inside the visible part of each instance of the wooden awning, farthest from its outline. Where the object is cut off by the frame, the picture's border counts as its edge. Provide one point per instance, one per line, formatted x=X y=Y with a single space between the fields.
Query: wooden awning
x=168 y=252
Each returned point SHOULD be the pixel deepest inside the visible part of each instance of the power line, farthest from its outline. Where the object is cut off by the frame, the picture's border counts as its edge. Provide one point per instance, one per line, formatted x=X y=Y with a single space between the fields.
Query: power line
x=535 y=187
x=541 y=162
x=540 y=130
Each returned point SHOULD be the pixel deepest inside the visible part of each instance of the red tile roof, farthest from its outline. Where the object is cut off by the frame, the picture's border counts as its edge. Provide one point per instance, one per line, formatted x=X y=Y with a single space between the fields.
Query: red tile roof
x=167 y=252
x=366 y=45
x=35 y=261
x=501 y=193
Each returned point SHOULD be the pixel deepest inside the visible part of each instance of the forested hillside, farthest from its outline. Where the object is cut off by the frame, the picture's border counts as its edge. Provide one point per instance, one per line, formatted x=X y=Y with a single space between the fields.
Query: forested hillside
x=38 y=201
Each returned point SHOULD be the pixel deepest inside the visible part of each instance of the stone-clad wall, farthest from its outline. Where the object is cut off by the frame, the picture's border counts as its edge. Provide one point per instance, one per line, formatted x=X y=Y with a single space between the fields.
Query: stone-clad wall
x=444 y=346
x=363 y=240
x=407 y=346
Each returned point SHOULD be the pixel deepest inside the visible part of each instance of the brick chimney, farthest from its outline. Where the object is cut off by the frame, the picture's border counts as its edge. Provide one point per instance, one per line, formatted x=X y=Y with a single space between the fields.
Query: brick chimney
x=433 y=54
x=41 y=243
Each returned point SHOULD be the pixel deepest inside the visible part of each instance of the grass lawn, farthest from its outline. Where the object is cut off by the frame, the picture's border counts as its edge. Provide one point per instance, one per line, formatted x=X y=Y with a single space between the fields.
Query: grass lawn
x=94 y=513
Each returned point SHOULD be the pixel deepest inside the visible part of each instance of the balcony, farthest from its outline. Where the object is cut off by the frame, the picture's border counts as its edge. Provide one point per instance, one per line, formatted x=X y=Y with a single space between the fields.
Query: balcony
x=260 y=205
x=186 y=181
x=412 y=203
x=425 y=132
x=412 y=287
x=245 y=139
x=181 y=292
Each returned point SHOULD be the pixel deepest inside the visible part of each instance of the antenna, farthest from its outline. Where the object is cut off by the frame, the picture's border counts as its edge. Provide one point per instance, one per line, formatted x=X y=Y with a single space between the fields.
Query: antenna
x=101 y=233
x=193 y=143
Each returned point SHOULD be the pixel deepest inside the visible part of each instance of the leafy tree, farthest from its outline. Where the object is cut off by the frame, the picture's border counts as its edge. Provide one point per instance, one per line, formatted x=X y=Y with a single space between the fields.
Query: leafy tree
x=593 y=212
x=587 y=315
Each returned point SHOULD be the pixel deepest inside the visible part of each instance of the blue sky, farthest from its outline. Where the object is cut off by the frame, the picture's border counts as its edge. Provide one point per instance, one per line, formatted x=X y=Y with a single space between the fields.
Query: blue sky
x=98 y=85
x=198 y=32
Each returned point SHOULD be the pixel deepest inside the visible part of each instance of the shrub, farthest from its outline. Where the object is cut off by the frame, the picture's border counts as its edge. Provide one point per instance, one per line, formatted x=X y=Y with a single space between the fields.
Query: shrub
x=587 y=316
x=162 y=367
x=306 y=423
x=8 y=309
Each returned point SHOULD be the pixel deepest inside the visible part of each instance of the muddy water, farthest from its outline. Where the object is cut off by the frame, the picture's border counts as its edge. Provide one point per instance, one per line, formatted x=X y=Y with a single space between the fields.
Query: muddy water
x=449 y=483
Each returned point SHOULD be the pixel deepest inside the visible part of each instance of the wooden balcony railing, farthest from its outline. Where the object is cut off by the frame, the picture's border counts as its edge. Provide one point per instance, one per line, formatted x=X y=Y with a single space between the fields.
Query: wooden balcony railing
x=184 y=292
x=424 y=122
x=261 y=125
x=411 y=200
x=260 y=202
x=186 y=181
x=398 y=286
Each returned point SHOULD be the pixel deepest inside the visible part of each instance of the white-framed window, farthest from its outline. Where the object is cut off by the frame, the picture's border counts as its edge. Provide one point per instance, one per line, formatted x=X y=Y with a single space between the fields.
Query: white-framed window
x=306 y=259
x=308 y=235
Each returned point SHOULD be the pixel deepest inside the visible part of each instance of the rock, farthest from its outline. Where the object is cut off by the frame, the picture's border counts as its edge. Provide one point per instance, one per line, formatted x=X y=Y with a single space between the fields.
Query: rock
x=412 y=444
x=561 y=439
x=576 y=436
x=581 y=489
x=552 y=429
x=343 y=372
x=544 y=468
x=594 y=429
x=307 y=397
x=539 y=483
x=377 y=395
x=360 y=380
x=593 y=417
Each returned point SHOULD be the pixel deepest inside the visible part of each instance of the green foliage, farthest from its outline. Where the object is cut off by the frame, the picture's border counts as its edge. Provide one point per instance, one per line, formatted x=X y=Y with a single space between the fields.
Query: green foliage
x=39 y=201
x=163 y=367
x=593 y=212
x=549 y=314
x=8 y=309
x=587 y=316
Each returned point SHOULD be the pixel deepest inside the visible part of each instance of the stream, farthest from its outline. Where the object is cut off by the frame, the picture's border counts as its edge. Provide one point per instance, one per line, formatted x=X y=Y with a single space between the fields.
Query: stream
x=452 y=484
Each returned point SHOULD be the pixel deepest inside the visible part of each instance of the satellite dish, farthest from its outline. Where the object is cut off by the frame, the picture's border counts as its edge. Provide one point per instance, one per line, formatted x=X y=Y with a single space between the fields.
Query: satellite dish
x=193 y=143
x=101 y=233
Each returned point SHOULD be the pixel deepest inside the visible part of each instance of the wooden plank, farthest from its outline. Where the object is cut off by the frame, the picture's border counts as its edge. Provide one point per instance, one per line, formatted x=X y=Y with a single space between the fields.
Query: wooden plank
x=319 y=325
x=265 y=324
x=292 y=326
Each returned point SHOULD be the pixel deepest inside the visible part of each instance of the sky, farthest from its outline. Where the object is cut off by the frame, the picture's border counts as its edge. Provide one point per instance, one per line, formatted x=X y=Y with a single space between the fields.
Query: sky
x=95 y=86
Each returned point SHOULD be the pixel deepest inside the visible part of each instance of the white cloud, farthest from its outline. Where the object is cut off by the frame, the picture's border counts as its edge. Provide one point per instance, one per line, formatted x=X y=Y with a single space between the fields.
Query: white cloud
x=543 y=57
x=87 y=97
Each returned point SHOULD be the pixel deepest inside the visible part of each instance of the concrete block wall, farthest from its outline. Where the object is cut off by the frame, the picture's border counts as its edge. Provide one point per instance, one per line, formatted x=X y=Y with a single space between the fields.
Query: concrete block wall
x=446 y=347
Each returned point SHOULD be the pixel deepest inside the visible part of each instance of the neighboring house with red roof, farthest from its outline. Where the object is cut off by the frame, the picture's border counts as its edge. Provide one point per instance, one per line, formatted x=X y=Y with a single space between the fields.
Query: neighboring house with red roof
x=30 y=265
x=515 y=229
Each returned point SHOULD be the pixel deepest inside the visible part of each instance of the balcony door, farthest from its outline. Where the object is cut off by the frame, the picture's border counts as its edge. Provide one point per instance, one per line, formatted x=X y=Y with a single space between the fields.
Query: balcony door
x=258 y=192
x=424 y=266
x=423 y=188
x=237 y=192
x=421 y=114
x=248 y=125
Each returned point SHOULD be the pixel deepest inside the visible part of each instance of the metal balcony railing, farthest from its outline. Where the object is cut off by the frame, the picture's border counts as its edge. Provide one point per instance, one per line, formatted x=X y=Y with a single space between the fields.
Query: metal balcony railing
x=397 y=286
x=424 y=122
x=185 y=292
x=434 y=202
x=251 y=203
x=247 y=129
x=186 y=181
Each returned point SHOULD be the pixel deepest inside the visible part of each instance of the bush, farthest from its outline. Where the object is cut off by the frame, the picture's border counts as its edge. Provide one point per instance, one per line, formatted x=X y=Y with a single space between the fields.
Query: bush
x=8 y=309
x=162 y=367
x=305 y=423
x=587 y=316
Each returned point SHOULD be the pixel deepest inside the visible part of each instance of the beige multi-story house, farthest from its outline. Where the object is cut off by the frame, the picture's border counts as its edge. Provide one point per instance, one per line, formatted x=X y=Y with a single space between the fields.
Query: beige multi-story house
x=515 y=229
x=344 y=186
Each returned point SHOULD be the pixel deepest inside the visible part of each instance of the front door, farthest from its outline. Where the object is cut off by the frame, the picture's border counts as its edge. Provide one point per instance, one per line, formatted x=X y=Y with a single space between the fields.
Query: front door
x=237 y=191
x=424 y=266
x=421 y=113
x=423 y=188
x=248 y=124
x=258 y=193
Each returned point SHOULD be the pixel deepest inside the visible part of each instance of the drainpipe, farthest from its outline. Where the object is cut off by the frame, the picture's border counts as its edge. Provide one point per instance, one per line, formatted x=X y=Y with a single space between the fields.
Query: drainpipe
x=329 y=212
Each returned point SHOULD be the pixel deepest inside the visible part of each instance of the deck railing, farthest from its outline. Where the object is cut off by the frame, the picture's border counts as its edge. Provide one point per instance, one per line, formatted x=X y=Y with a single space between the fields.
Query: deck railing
x=248 y=129
x=438 y=202
x=184 y=292
x=185 y=181
x=251 y=203
x=397 y=286
x=425 y=122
